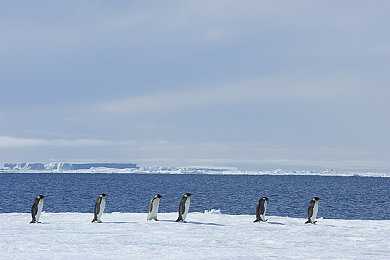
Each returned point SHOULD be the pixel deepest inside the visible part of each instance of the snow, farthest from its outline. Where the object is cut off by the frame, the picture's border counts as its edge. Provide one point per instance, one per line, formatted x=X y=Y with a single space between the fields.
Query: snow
x=129 y=168
x=209 y=235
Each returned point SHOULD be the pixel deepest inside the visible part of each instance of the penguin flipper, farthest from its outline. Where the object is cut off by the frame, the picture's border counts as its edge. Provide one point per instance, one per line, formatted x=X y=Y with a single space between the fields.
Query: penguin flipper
x=150 y=205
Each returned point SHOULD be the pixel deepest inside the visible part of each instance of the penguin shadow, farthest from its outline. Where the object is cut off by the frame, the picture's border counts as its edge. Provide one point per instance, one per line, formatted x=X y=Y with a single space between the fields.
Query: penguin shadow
x=276 y=223
x=117 y=222
x=207 y=224
x=193 y=222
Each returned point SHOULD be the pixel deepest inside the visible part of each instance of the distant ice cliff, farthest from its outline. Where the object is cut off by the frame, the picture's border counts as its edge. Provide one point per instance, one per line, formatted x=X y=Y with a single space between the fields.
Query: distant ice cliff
x=67 y=167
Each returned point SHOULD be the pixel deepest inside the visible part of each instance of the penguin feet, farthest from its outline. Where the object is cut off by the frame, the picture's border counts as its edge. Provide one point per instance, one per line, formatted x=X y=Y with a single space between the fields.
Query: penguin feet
x=99 y=221
x=93 y=220
x=156 y=219
x=260 y=220
x=33 y=221
x=39 y=222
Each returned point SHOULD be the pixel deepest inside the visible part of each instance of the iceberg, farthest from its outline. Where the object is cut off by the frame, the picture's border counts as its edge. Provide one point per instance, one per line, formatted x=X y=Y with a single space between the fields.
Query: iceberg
x=68 y=167
x=64 y=166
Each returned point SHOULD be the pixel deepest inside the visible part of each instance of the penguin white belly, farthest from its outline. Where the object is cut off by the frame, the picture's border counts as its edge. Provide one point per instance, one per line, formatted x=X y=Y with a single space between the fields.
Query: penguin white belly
x=40 y=206
x=265 y=209
x=187 y=207
x=315 y=211
x=153 y=213
x=102 y=206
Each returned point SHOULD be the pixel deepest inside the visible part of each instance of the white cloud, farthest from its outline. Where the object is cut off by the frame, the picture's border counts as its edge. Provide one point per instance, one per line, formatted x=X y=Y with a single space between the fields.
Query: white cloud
x=16 y=142
x=281 y=87
x=167 y=153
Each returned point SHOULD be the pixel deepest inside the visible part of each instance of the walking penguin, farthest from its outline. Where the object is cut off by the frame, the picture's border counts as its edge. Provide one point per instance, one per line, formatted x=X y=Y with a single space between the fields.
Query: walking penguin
x=100 y=204
x=154 y=203
x=261 y=208
x=312 y=211
x=36 y=209
x=184 y=206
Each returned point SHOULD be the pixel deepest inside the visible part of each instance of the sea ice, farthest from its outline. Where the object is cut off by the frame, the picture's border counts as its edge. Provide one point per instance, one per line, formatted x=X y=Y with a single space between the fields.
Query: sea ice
x=205 y=236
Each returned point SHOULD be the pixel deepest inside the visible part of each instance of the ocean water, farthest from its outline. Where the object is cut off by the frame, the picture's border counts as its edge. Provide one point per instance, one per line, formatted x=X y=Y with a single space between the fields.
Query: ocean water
x=340 y=197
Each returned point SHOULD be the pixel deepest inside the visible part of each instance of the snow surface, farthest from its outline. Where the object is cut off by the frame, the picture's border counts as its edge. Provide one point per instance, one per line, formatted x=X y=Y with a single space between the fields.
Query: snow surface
x=209 y=235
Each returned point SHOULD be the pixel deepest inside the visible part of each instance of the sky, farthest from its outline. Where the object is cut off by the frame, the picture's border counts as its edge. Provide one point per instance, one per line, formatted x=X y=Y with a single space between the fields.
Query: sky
x=250 y=84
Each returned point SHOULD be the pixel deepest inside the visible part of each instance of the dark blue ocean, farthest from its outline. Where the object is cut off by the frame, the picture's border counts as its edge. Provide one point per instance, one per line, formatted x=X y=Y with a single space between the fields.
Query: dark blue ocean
x=340 y=197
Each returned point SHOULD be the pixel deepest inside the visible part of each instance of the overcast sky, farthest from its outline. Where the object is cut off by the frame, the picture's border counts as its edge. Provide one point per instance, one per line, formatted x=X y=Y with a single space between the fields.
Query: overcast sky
x=252 y=84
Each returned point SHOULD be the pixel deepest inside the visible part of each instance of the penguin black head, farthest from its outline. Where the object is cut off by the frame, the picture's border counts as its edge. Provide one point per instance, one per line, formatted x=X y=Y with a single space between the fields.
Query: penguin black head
x=158 y=196
x=103 y=195
x=316 y=198
x=40 y=196
x=265 y=198
x=187 y=194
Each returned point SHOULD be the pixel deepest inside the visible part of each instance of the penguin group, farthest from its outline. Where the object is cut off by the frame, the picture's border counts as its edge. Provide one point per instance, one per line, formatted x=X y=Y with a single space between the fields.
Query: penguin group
x=100 y=204
x=312 y=210
x=184 y=206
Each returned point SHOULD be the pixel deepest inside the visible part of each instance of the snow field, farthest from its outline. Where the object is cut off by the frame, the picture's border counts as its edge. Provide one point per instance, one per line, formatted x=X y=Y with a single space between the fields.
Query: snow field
x=208 y=235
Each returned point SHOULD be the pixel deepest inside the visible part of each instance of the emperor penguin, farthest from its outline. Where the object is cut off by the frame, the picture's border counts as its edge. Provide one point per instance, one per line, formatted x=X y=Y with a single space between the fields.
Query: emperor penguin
x=184 y=206
x=154 y=203
x=36 y=209
x=261 y=208
x=100 y=204
x=312 y=211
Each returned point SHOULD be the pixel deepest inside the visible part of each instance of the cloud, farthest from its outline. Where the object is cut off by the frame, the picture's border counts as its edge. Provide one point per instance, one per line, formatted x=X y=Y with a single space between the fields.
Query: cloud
x=15 y=142
x=281 y=87
x=167 y=153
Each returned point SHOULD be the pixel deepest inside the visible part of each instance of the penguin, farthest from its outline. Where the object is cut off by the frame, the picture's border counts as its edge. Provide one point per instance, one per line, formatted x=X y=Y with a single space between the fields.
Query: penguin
x=184 y=206
x=100 y=204
x=261 y=208
x=154 y=203
x=312 y=211
x=36 y=209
